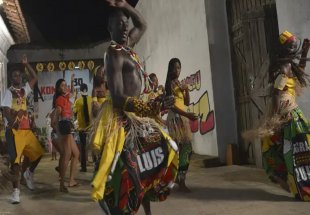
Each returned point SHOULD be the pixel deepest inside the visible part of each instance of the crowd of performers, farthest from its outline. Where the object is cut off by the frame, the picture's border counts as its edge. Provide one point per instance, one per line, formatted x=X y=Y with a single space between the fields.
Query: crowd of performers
x=139 y=156
x=136 y=160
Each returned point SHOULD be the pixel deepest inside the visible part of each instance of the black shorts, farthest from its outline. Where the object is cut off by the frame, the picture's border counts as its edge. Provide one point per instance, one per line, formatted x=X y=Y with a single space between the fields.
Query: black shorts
x=65 y=127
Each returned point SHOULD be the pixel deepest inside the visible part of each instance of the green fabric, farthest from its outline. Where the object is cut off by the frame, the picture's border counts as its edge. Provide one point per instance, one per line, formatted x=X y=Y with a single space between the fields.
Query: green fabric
x=185 y=153
x=273 y=161
x=298 y=125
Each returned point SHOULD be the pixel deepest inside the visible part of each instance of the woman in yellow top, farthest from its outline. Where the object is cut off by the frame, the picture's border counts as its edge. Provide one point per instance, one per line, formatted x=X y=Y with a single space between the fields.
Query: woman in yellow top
x=286 y=153
x=177 y=120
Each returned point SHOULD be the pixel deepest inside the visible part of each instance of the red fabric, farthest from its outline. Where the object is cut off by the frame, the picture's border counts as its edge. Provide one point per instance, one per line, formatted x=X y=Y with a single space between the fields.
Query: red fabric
x=64 y=103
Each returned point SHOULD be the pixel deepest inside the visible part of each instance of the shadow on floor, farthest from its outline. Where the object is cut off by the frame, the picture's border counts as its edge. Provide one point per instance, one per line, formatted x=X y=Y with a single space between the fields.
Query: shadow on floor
x=203 y=193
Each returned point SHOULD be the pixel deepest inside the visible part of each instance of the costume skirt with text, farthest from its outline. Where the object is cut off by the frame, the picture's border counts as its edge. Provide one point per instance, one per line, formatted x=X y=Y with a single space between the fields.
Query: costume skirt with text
x=287 y=155
x=138 y=161
x=141 y=173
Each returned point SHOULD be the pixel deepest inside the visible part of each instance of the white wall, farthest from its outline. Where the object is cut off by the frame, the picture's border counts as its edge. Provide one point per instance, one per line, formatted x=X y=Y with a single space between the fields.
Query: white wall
x=294 y=16
x=6 y=41
x=178 y=28
x=222 y=76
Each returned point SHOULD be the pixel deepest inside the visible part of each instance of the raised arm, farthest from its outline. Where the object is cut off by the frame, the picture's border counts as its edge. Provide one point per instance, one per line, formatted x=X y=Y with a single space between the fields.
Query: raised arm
x=185 y=91
x=304 y=53
x=138 y=21
x=280 y=85
x=33 y=76
x=72 y=83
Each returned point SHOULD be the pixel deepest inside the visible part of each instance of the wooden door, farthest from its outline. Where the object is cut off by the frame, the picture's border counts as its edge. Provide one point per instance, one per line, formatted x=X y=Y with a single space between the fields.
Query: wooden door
x=254 y=31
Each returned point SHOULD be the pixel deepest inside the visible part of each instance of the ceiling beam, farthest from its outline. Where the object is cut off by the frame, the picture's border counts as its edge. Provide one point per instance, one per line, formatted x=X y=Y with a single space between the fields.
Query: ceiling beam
x=17 y=21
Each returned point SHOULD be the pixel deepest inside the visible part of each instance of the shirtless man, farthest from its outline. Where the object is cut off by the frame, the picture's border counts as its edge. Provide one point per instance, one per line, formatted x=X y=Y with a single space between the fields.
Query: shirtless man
x=124 y=79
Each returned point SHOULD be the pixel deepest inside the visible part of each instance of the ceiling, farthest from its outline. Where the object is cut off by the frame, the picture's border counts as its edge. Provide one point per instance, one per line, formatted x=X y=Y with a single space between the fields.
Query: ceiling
x=67 y=23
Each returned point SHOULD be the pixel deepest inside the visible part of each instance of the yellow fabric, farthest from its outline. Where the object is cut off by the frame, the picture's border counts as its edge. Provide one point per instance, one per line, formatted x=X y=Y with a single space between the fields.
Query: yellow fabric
x=266 y=143
x=149 y=96
x=109 y=136
x=19 y=104
x=291 y=83
x=78 y=109
x=179 y=98
x=101 y=100
x=284 y=36
x=2 y=135
x=27 y=144
x=172 y=154
x=114 y=144
x=283 y=81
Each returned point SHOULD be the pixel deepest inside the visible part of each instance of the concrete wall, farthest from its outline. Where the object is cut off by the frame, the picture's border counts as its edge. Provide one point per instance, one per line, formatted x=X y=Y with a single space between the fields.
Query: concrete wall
x=6 y=41
x=178 y=28
x=294 y=16
x=223 y=89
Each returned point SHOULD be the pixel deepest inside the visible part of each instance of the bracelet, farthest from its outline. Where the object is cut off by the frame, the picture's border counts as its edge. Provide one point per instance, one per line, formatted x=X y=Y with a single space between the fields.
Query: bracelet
x=145 y=109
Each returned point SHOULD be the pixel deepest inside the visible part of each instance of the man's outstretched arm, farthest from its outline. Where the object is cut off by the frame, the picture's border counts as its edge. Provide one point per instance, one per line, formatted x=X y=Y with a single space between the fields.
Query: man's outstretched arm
x=33 y=76
x=139 y=23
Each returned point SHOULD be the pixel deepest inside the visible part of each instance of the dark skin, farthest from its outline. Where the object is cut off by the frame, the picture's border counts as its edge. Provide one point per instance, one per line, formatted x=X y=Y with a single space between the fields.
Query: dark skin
x=154 y=84
x=123 y=78
x=9 y=114
x=68 y=148
x=185 y=91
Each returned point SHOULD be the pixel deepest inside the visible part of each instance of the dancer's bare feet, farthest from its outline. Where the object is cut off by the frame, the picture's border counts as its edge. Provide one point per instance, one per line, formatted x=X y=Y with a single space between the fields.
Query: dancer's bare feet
x=63 y=189
x=73 y=184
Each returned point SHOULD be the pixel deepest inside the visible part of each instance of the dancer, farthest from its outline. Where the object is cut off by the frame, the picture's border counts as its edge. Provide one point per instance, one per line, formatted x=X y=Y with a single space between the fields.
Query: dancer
x=177 y=119
x=19 y=136
x=286 y=133
x=138 y=161
x=68 y=148
x=82 y=109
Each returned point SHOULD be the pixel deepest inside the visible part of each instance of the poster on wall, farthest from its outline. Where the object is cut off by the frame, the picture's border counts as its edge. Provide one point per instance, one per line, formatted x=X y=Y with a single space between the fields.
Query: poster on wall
x=80 y=77
x=46 y=84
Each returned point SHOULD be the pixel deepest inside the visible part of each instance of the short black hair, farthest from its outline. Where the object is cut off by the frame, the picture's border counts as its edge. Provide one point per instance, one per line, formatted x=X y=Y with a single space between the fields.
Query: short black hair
x=152 y=75
x=83 y=87
x=14 y=68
